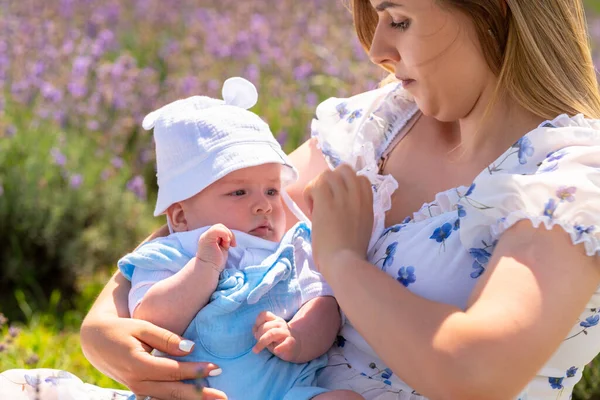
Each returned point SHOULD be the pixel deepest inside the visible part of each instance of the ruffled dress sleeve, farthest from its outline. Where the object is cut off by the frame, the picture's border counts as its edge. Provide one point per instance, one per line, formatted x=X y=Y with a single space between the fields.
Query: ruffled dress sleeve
x=357 y=130
x=551 y=176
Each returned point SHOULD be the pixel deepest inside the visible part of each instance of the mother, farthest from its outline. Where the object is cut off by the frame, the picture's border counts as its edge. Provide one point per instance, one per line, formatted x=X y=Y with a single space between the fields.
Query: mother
x=489 y=288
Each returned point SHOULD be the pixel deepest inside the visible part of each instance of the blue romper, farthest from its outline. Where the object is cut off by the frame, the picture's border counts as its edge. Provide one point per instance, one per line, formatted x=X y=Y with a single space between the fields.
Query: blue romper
x=259 y=276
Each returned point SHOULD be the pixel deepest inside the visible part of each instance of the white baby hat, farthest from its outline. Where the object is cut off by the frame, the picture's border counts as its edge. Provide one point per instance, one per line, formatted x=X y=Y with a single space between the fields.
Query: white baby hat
x=200 y=140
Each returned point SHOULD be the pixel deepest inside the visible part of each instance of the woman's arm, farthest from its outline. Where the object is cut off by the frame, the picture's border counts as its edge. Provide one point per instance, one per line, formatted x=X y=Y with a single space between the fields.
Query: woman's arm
x=519 y=313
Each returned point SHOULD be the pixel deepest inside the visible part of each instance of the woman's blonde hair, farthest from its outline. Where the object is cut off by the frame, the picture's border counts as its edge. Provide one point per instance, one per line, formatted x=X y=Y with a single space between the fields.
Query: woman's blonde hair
x=540 y=50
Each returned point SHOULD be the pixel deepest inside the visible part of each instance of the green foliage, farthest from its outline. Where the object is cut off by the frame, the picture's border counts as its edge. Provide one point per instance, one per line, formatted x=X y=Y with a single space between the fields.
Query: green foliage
x=63 y=214
x=39 y=344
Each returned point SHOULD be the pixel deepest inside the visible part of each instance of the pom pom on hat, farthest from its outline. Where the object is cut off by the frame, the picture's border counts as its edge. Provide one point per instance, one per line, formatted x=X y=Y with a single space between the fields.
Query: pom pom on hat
x=236 y=92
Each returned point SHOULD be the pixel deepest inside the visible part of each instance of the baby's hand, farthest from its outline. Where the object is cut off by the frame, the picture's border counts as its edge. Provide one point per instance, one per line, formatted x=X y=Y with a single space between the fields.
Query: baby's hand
x=274 y=334
x=213 y=246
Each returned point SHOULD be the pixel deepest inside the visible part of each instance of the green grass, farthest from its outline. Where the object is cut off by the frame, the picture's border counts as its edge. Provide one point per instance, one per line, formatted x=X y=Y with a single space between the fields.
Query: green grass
x=41 y=345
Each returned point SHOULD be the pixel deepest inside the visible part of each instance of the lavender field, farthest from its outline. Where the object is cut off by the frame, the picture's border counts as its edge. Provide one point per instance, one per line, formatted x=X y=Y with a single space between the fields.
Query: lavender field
x=76 y=168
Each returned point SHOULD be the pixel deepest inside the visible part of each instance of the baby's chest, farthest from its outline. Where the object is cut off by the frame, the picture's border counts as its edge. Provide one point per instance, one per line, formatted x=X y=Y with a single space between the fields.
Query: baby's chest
x=428 y=258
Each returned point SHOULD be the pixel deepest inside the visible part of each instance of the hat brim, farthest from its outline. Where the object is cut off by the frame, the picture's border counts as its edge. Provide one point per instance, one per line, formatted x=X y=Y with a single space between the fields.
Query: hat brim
x=200 y=175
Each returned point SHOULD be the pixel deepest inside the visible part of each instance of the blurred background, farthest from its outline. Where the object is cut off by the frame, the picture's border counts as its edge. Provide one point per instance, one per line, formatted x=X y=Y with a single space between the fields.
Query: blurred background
x=77 y=176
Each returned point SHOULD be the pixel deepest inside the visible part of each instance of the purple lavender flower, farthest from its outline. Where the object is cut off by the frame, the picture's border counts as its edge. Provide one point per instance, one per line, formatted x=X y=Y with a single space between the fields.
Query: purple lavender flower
x=282 y=137
x=10 y=131
x=13 y=331
x=137 y=186
x=59 y=158
x=75 y=181
x=117 y=162
x=32 y=360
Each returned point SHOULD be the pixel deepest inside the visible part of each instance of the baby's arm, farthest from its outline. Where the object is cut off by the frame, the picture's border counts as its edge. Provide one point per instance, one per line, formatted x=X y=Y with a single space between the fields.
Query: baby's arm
x=173 y=302
x=308 y=335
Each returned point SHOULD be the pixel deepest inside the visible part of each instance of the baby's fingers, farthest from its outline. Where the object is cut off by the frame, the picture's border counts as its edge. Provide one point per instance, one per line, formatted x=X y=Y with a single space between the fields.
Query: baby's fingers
x=263 y=317
x=273 y=336
x=285 y=348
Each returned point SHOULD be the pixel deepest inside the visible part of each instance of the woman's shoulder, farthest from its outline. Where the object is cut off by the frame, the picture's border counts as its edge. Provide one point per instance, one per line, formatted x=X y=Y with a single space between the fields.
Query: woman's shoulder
x=550 y=176
x=343 y=125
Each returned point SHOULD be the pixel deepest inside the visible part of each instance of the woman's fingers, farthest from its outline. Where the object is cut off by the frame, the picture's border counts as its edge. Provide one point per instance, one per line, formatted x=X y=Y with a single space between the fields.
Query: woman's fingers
x=166 y=369
x=163 y=340
x=175 y=391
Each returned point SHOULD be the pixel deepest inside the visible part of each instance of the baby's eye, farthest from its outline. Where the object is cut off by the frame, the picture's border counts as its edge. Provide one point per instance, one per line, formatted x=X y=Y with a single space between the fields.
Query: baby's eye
x=272 y=192
x=239 y=192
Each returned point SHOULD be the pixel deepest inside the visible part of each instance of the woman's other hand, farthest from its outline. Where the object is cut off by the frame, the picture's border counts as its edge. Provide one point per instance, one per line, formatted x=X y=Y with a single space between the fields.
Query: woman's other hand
x=340 y=205
x=120 y=347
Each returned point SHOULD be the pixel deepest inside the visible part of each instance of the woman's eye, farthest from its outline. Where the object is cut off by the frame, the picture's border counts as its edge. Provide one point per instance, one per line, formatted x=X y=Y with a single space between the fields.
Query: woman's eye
x=240 y=192
x=272 y=192
x=402 y=25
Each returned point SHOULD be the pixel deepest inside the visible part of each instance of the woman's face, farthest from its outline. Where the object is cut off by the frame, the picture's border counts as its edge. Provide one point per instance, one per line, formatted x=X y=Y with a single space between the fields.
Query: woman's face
x=435 y=52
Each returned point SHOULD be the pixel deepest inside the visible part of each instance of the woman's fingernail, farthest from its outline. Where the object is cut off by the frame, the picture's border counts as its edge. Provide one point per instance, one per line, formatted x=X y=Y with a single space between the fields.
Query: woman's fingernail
x=215 y=372
x=186 y=345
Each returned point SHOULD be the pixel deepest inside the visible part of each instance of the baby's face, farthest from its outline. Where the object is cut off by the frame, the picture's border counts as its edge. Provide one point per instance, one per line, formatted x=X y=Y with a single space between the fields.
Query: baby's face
x=246 y=200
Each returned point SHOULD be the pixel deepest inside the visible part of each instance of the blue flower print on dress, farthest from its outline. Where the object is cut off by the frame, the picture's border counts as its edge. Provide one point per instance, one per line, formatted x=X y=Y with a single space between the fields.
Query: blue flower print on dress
x=586 y=324
x=342 y=109
x=482 y=257
x=590 y=321
x=571 y=372
x=556 y=155
x=550 y=164
x=33 y=381
x=392 y=229
x=330 y=155
x=466 y=197
x=470 y=190
x=442 y=233
x=556 y=383
x=388 y=258
x=582 y=230
x=340 y=341
x=387 y=231
x=355 y=114
x=406 y=276
x=550 y=208
x=525 y=149
x=547 y=167
x=456 y=225
x=387 y=373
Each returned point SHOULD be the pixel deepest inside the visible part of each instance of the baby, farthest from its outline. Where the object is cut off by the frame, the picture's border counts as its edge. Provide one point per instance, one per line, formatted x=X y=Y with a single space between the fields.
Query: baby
x=229 y=277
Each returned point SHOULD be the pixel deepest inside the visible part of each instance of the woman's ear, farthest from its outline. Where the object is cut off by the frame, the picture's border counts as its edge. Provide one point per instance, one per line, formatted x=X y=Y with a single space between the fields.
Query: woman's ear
x=177 y=218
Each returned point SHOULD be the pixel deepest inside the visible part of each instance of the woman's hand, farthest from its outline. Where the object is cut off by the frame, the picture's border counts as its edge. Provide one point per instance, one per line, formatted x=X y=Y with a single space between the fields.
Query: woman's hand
x=120 y=347
x=126 y=345
x=340 y=205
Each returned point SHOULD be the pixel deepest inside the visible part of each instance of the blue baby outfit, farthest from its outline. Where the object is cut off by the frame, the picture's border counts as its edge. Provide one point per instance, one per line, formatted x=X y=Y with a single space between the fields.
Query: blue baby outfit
x=259 y=276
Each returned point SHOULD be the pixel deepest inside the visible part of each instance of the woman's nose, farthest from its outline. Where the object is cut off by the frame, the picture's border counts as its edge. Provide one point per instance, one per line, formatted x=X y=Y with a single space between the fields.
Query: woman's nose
x=383 y=48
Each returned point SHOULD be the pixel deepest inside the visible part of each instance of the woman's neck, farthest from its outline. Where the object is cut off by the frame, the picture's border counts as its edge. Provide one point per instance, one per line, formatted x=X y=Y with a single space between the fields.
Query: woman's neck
x=488 y=131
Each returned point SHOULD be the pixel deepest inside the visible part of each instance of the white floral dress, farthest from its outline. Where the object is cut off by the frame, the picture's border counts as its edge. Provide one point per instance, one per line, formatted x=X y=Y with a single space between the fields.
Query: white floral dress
x=551 y=176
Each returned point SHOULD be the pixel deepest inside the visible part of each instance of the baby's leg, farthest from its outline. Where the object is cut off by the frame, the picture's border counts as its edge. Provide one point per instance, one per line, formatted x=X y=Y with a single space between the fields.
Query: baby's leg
x=339 y=395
